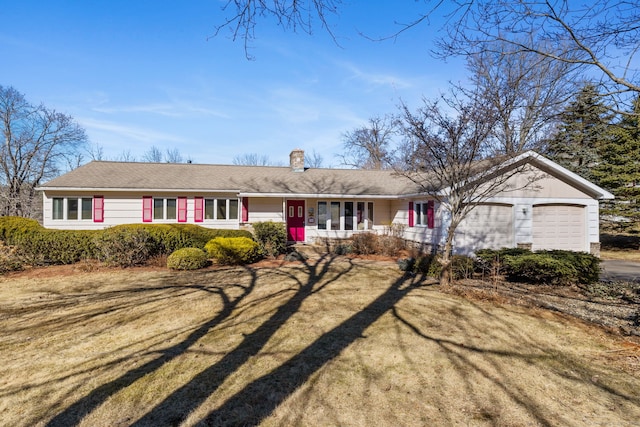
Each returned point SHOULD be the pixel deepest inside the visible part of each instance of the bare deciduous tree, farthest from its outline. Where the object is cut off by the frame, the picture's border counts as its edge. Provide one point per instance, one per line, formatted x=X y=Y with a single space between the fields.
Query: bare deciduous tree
x=152 y=155
x=370 y=146
x=37 y=142
x=242 y=16
x=173 y=155
x=599 y=37
x=527 y=93
x=251 y=159
x=448 y=145
x=313 y=160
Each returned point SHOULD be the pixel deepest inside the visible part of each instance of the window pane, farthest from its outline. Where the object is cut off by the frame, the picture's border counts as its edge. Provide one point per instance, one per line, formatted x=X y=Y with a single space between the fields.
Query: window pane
x=72 y=208
x=360 y=216
x=222 y=208
x=208 y=209
x=233 y=209
x=171 y=209
x=158 y=208
x=335 y=215
x=322 y=215
x=87 y=207
x=348 y=215
x=418 y=213
x=58 y=208
x=370 y=214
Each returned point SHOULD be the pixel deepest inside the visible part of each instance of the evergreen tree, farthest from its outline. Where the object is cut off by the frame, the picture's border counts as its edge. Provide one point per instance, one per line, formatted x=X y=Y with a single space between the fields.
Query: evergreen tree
x=583 y=129
x=619 y=170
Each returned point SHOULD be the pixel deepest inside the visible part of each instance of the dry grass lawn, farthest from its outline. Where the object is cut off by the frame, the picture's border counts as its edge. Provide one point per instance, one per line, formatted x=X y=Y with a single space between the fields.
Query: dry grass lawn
x=332 y=342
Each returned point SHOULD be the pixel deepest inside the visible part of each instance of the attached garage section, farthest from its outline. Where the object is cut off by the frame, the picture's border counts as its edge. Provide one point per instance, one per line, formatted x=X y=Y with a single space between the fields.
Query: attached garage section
x=559 y=227
x=487 y=226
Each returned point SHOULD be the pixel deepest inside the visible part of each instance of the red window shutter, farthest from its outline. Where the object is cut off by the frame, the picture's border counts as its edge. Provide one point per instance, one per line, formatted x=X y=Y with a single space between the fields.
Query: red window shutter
x=245 y=209
x=411 y=215
x=430 y=214
x=98 y=209
x=147 y=209
x=198 y=210
x=182 y=209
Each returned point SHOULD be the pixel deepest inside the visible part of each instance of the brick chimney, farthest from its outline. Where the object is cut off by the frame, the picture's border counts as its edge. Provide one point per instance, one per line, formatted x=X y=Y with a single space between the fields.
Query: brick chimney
x=296 y=159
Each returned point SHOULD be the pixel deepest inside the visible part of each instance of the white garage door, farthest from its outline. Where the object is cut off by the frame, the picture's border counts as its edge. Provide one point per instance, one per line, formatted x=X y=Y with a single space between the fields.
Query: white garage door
x=487 y=226
x=559 y=227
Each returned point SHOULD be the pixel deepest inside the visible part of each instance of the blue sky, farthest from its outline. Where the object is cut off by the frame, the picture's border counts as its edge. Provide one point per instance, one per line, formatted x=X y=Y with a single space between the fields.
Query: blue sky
x=137 y=74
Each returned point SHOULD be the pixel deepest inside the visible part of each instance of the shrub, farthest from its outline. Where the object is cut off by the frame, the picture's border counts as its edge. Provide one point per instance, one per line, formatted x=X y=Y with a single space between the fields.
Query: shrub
x=390 y=245
x=167 y=238
x=543 y=267
x=10 y=259
x=462 y=267
x=365 y=243
x=233 y=250
x=14 y=229
x=540 y=268
x=272 y=237
x=187 y=259
x=489 y=260
x=124 y=246
x=427 y=265
x=342 y=249
x=586 y=265
x=46 y=246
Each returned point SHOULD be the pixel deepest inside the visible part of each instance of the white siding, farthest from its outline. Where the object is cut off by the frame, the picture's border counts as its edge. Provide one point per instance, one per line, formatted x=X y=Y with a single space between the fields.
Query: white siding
x=488 y=226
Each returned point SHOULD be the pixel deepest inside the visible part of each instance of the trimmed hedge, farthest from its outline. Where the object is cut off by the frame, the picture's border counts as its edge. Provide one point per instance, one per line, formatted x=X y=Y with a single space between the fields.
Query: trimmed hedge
x=187 y=259
x=233 y=250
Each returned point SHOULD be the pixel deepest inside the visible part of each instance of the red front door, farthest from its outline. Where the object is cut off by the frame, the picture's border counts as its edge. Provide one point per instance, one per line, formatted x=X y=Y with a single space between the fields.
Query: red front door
x=295 y=220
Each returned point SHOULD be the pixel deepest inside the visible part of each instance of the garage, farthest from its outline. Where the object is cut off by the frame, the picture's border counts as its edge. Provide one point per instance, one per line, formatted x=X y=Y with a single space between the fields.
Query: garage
x=559 y=227
x=487 y=226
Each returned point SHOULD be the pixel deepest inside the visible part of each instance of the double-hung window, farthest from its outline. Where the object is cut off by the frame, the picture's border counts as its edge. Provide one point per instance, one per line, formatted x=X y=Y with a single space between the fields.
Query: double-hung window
x=78 y=208
x=220 y=209
x=424 y=215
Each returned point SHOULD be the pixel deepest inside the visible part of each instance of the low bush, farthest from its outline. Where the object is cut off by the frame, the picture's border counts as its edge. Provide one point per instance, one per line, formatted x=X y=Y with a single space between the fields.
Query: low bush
x=47 y=246
x=540 y=268
x=462 y=267
x=490 y=261
x=14 y=230
x=272 y=237
x=167 y=238
x=422 y=264
x=342 y=248
x=10 y=259
x=365 y=243
x=233 y=250
x=555 y=267
x=187 y=259
x=124 y=246
x=390 y=245
x=586 y=265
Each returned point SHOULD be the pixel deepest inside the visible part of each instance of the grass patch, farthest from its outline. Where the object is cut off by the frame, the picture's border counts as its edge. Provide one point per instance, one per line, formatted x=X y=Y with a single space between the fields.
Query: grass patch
x=328 y=342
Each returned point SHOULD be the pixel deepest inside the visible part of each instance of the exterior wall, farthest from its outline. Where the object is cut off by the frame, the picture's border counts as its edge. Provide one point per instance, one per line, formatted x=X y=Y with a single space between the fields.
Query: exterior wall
x=126 y=208
x=266 y=209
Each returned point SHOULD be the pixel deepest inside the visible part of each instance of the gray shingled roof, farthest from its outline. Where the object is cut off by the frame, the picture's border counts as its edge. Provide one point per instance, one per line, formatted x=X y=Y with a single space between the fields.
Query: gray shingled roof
x=242 y=179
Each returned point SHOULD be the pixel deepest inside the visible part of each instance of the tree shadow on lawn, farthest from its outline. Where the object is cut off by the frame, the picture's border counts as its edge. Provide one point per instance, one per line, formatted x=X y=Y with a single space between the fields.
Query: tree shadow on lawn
x=205 y=383
x=74 y=413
